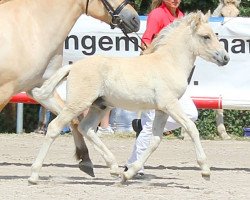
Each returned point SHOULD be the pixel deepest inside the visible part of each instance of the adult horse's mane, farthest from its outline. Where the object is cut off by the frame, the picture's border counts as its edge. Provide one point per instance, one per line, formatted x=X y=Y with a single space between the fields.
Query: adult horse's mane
x=161 y=38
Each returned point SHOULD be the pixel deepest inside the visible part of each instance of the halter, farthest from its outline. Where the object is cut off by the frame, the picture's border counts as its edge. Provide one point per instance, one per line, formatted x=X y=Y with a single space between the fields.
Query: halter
x=116 y=21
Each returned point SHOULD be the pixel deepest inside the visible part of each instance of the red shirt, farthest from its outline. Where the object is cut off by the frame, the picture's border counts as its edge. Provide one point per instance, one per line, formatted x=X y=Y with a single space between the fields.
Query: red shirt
x=158 y=18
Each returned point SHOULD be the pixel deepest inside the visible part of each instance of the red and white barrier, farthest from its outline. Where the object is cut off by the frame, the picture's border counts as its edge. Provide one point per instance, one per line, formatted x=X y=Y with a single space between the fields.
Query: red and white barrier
x=200 y=102
x=22 y=98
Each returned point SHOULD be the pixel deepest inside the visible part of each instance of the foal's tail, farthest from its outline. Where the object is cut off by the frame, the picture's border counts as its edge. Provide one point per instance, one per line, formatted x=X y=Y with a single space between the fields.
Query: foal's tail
x=49 y=85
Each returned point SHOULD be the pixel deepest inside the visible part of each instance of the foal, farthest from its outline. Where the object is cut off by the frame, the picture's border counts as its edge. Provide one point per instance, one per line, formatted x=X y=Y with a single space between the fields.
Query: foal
x=101 y=83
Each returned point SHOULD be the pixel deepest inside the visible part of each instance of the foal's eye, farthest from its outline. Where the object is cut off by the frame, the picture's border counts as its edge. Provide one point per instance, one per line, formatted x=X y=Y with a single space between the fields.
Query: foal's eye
x=206 y=37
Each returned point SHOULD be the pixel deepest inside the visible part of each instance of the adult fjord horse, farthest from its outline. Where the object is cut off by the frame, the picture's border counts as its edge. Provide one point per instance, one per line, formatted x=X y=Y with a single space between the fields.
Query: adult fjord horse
x=101 y=83
x=32 y=33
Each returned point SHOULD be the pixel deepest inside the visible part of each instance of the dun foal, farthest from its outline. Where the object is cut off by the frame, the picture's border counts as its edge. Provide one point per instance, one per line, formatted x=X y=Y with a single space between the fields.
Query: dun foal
x=101 y=83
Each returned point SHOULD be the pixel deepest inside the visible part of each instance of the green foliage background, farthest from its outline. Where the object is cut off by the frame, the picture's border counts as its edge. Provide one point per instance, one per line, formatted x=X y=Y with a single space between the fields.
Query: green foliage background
x=234 y=120
x=30 y=119
x=142 y=6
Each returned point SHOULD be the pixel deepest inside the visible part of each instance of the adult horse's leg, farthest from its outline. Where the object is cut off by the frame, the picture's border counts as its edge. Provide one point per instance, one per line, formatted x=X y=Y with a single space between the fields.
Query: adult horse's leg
x=3 y=103
x=6 y=92
x=2 y=106
x=158 y=127
x=42 y=121
x=88 y=127
x=82 y=152
x=55 y=105
x=220 y=125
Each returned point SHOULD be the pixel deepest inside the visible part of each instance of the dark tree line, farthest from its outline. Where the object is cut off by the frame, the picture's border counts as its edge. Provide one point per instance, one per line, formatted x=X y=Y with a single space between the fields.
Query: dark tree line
x=143 y=6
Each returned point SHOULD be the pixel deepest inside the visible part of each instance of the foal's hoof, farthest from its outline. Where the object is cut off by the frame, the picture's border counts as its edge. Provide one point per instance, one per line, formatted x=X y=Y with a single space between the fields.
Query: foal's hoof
x=114 y=174
x=123 y=179
x=87 y=167
x=206 y=177
x=115 y=171
x=32 y=181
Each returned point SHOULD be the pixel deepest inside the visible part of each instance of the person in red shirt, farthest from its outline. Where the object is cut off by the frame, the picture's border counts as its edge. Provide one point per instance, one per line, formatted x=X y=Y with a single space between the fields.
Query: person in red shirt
x=163 y=13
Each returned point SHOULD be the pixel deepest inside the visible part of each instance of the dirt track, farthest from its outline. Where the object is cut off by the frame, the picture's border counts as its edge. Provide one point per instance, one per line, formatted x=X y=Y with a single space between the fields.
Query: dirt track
x=172 y=172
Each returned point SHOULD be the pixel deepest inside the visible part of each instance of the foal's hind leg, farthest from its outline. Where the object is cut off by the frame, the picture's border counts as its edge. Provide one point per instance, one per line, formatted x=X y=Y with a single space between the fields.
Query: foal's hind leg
x=158 y=127
x=55 y=104
x=88 y=127
x=53 y=131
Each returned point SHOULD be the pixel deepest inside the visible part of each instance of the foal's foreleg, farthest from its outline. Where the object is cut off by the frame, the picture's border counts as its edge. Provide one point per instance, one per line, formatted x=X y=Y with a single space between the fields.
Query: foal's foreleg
x=88 y=127
x=220 y=125
x=179 y=116
x=55 y=105
x=158 y=127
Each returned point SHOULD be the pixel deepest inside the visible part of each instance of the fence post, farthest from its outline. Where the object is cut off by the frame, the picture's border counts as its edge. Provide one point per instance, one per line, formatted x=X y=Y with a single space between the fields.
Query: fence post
x=19 y=120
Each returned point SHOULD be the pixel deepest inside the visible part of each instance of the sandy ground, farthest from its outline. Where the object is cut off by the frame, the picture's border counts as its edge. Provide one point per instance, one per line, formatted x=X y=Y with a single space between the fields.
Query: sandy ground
x=171 y=172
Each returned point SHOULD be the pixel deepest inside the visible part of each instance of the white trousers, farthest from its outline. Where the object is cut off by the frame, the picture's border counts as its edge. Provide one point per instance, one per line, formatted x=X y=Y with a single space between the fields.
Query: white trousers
x=143 y=140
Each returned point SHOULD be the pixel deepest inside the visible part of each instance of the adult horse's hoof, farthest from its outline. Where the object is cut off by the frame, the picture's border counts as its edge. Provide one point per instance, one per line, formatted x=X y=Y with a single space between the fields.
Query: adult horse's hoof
x=87 y=167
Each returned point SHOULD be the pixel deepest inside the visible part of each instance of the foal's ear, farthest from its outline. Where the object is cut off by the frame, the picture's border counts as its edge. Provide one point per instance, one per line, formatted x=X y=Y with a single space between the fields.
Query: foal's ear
x=196 y=20
x=207 y=16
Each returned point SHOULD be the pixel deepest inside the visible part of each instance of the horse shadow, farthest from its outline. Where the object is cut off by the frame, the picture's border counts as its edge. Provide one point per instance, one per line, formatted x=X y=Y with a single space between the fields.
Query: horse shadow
x=159 y=167
x=149 y=179
x=194 y=168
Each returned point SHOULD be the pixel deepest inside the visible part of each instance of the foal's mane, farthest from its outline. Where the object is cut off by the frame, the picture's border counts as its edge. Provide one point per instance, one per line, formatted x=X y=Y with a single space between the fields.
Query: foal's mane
x=161 y=38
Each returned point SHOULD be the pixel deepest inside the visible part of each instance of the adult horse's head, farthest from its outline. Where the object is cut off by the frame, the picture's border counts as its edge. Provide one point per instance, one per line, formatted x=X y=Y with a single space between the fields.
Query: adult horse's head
x=118 y=12
x=206 y=43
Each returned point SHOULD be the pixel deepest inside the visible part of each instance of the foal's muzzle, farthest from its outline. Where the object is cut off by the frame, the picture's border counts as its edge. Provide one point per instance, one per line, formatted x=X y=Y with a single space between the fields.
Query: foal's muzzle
x=221 y=57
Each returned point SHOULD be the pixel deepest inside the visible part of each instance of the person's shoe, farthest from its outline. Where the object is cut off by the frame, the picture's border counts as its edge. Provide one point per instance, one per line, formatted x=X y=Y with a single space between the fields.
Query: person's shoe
x=104 y=131
x=137 y=127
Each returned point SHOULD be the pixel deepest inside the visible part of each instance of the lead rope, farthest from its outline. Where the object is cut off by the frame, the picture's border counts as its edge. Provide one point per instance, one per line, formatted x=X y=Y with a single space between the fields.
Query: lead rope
x=134 y=41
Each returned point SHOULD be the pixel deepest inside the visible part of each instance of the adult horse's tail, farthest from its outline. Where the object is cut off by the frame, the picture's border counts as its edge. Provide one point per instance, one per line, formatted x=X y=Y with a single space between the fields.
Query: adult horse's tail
x=49 y=85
